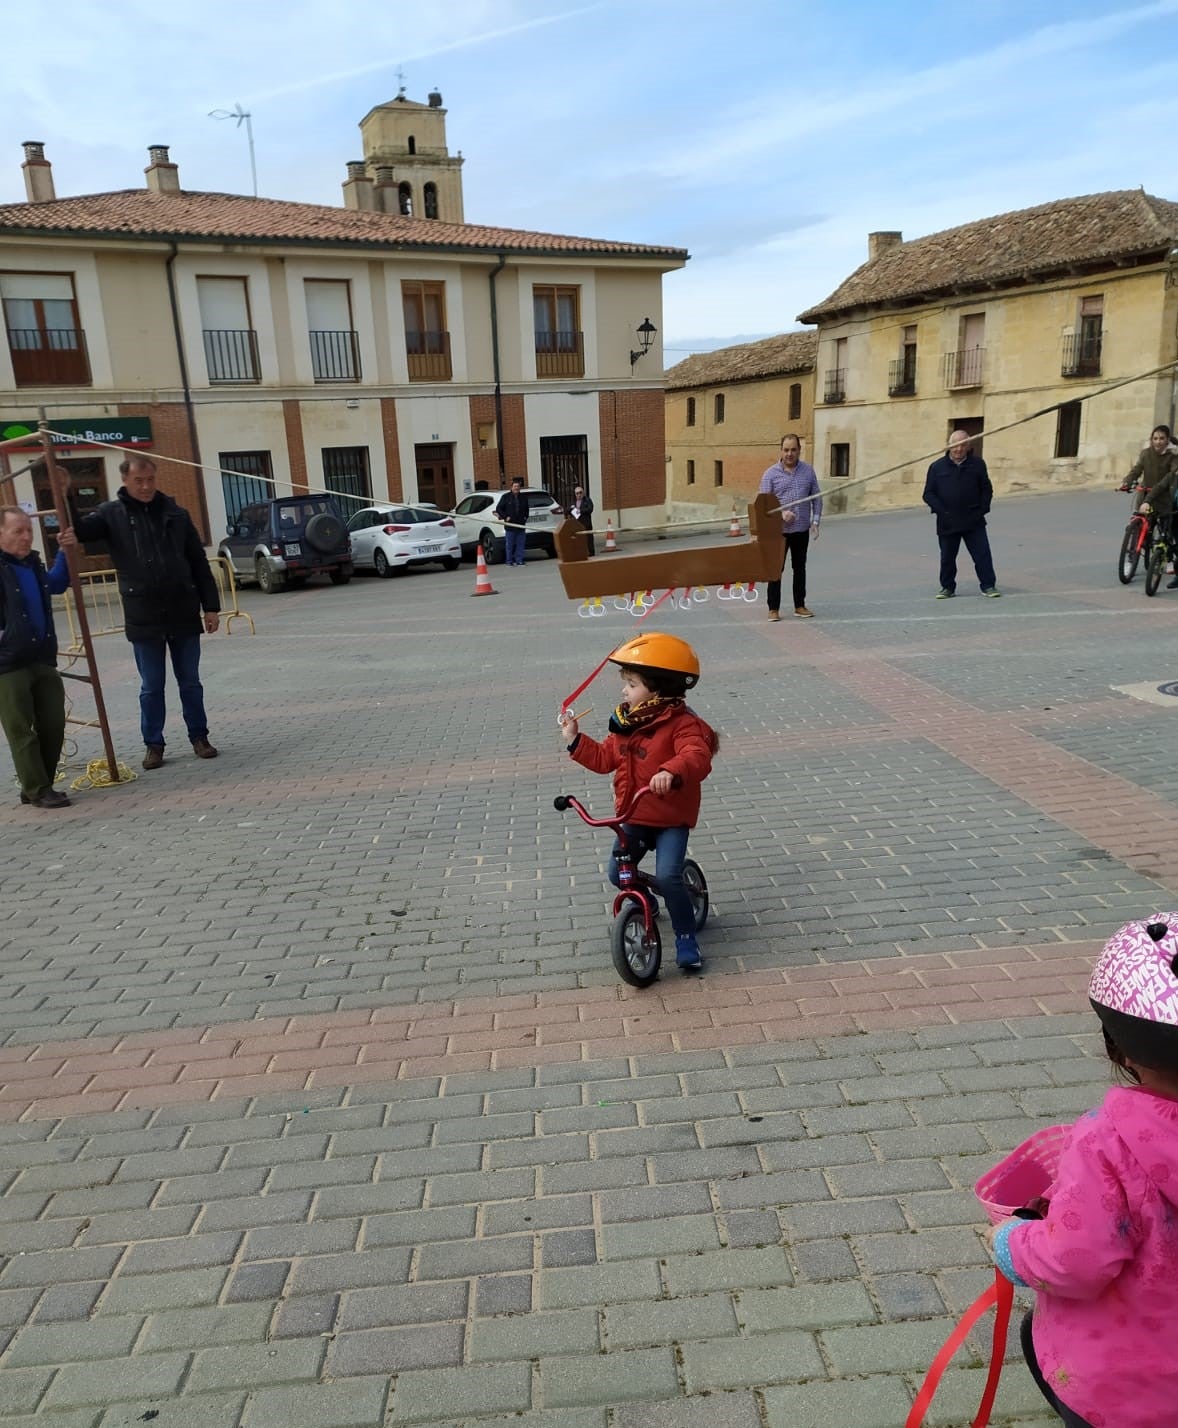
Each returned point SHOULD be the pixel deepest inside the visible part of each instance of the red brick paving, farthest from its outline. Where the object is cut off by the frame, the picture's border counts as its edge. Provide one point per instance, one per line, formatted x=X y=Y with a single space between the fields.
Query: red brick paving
x=194 y=1064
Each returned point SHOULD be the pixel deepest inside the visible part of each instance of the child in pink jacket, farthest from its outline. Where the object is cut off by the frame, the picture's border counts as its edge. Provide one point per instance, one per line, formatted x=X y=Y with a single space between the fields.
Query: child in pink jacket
x=1102 y=1342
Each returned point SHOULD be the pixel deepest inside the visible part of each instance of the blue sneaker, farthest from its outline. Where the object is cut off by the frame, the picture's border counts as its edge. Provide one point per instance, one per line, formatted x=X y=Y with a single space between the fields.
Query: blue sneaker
x=687 y=952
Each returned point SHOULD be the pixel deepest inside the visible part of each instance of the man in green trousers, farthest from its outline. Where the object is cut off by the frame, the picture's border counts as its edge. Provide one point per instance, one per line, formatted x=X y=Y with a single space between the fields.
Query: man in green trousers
x=32 y=697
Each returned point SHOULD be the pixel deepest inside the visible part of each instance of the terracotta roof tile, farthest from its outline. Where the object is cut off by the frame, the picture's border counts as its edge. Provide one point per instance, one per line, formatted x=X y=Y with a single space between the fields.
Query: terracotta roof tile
x=1122 y=224
x=789 y=352
x=142 y=213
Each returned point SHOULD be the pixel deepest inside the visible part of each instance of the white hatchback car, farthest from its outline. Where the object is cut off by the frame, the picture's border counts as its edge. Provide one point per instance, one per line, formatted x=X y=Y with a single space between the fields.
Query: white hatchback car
x=474 y=517
x=388 y=538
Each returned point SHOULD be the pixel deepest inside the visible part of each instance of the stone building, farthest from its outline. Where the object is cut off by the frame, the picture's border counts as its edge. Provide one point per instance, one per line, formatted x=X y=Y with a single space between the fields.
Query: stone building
x=727 y=411
x=375 y=352
x=980 y=325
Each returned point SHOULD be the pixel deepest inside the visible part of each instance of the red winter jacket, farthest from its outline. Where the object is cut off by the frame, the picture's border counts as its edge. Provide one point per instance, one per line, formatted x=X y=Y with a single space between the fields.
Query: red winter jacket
x=676 y=740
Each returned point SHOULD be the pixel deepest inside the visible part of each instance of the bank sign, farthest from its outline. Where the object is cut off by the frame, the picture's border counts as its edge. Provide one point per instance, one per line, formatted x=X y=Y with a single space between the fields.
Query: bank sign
x=82 y=431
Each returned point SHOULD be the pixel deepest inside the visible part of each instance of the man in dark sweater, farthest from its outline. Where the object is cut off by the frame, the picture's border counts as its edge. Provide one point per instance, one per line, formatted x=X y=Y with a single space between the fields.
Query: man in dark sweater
x=32 y=697
x=512 y=507
x=958 y=492
x=164 y=584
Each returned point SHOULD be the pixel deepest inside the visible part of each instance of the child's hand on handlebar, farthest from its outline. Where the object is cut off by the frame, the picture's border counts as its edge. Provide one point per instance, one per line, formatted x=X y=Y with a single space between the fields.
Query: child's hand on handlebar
x=662 y=782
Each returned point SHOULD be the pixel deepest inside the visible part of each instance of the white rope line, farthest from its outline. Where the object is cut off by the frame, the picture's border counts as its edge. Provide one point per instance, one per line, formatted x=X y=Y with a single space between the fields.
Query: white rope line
x=129 y=452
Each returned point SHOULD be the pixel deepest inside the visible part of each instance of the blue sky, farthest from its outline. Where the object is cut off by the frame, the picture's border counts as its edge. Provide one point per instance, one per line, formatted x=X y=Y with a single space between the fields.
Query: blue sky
x=766 y=138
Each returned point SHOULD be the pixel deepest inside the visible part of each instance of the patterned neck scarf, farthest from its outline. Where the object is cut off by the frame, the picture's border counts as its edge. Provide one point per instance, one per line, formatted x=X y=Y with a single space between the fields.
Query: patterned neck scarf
x=625 y=721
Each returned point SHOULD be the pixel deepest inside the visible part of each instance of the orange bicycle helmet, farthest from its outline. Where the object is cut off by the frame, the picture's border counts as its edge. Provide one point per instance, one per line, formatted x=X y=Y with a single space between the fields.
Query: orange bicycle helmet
x=656 y=651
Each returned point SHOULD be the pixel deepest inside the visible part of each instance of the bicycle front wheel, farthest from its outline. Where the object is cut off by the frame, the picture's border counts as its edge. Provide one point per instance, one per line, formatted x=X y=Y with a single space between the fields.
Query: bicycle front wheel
x=1156 y=568
x=1130 y=554
x=636 y=956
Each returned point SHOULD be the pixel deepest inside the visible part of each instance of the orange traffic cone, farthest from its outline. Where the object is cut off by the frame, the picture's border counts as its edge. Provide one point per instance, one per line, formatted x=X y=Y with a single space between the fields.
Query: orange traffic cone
x=734 y=527
x=482 y=581
x=610 y=543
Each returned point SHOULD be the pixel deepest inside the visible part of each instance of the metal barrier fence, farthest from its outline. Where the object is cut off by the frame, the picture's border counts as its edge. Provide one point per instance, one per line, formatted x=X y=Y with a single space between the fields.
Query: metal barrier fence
x=105 y=609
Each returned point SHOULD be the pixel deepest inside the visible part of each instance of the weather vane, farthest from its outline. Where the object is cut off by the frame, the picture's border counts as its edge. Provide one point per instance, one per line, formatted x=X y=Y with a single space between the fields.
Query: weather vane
x=400 y=82
x=243 y=117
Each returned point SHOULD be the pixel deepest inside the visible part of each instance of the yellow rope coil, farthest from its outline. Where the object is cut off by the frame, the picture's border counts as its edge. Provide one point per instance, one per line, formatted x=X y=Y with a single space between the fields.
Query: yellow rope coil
x=97 y=775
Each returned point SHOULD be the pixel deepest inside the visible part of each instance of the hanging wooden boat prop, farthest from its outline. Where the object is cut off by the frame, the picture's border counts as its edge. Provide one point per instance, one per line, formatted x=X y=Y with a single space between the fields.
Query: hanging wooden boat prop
x=757 y=559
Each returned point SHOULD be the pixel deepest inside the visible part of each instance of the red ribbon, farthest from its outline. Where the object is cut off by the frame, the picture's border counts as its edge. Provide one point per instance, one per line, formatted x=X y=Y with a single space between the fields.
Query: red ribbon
x=1001 y=1295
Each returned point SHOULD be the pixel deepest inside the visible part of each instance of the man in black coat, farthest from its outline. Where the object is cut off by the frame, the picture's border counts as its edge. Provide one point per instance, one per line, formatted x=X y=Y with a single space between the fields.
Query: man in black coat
x=958 y=492
x=512 y=507
x=165 y=583
x=582 y=511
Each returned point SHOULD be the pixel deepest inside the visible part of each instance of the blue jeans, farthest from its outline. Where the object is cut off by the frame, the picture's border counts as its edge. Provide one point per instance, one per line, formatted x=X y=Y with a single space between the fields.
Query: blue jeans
x=978 y=545
x=151 y=662
x=514 y=541
x=670 y=849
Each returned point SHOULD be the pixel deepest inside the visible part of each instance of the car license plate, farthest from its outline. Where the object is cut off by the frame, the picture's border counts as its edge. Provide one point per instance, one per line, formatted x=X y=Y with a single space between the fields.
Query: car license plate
x=294 y=549
x=427 y=549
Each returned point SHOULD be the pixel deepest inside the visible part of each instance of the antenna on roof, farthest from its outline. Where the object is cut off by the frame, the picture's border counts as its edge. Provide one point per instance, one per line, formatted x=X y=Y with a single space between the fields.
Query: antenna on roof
x=400 y=83
x=242 y=116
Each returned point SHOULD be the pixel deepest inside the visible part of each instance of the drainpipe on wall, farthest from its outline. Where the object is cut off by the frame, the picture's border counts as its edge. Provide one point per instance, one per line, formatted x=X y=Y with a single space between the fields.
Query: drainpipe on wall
x=494 y=273
x=178 y=332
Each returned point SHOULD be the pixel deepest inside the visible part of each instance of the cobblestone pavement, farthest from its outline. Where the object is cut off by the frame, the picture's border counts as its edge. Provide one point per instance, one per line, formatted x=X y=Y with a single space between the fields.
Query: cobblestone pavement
x=320 y=1102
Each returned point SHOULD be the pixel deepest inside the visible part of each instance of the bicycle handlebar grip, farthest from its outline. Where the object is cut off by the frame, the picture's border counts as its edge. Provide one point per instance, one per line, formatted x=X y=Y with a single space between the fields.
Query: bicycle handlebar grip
x=561 y=803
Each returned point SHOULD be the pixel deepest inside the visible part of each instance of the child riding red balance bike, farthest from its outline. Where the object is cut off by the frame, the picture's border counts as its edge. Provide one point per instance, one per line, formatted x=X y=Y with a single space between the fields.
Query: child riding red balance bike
x=634 y=943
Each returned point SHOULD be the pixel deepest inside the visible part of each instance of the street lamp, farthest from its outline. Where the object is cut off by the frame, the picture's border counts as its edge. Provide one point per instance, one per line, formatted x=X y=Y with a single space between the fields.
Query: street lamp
x=646 y=335
x=242 y=116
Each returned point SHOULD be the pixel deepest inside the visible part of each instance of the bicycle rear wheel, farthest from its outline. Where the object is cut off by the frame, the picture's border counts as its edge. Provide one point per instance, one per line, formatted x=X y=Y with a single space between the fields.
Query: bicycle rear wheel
x=1130 y=554
x=1156 y=568
x=697 y=890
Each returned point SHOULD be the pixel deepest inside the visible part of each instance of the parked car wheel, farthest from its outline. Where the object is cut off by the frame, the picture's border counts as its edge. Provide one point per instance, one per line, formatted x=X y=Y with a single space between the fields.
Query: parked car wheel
x=381 y=562
x=550 y=550
x=270 y=581
x=492 y=548
x=341 y=574
x=451 y=562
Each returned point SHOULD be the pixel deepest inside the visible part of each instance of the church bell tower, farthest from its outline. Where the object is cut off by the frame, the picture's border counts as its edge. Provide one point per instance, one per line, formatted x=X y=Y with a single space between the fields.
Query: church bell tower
x=407 y=168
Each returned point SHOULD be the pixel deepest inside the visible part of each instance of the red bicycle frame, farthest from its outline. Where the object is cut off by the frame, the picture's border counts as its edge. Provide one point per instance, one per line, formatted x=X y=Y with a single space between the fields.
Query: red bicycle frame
x=634 y=885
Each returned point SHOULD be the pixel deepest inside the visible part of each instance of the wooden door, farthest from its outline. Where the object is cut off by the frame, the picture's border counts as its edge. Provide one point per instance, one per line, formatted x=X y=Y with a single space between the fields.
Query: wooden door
x=435 y=475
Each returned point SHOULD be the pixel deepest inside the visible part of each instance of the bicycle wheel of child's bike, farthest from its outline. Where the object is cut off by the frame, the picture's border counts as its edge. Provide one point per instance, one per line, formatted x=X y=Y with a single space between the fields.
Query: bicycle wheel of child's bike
x=1130 y=555
x=1156 y=569
x=637 y=956
x=697 y=890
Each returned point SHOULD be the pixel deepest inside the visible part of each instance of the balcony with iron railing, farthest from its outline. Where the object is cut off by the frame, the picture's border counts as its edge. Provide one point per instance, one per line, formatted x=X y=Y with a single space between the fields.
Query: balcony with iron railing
x=231 y=355
x=1081 y=354
x=964 y=368
x=835 y=386
x=560 y=354
x=902 y=377
x=49 y=357
x=429 y=356
x=335 y=356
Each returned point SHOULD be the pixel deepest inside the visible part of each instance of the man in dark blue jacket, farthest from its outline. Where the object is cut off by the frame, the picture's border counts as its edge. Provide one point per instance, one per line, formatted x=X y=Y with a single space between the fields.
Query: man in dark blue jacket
x=32 y=697
x=165 y=584
x=958 y=492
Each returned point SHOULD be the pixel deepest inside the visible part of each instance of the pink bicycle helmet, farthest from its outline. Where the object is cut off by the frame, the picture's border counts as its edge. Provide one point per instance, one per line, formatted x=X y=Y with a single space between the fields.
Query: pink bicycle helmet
x=1134 y=991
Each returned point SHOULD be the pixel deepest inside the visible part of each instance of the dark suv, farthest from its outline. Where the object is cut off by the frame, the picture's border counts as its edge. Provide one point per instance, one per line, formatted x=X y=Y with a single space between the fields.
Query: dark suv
x=287 y=540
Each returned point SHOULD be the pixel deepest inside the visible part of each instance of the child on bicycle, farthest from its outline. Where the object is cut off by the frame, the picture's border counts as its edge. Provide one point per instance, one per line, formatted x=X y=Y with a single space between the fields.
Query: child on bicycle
x=655 y=739
x=1104 y=1261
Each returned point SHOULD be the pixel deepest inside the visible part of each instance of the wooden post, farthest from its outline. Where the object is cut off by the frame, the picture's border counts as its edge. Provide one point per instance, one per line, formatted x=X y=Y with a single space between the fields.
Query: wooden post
x=57 y=486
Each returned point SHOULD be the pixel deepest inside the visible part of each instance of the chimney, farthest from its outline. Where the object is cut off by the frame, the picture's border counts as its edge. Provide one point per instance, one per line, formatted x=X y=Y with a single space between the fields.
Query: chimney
x=879 y=243
x=358 y=190
x=435 y=99
x=162 y=175
x=38 y=172
x=386 y=194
